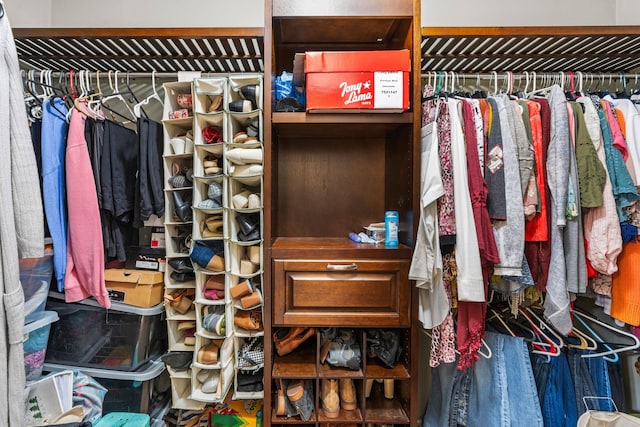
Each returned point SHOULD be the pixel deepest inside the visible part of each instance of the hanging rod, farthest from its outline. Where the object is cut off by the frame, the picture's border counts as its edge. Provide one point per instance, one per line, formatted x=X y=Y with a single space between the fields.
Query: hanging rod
x=138 y=74
x=522 y=75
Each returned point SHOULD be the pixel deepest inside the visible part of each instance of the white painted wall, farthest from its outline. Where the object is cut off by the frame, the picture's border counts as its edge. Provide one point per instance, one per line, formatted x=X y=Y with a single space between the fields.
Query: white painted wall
x=250 y=13
x=453 y=13
x=627 y=12
x=29 y=13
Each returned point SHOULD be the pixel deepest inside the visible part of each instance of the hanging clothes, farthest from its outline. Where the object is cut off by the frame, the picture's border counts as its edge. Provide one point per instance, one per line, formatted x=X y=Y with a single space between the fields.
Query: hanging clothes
x=556 y=304
x=54 y=137
x=509 y=234
x=426 y=263
x=21 y=224
x=85 y=250
x=150 y=182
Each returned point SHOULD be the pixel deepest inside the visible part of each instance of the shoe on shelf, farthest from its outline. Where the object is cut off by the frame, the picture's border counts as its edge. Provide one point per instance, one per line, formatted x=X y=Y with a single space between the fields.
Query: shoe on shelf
x=189 y=336
x=207 y=257
x=244 y=171
x=252 y=300
x=212 y=134
x=214 y=320
x=244 y=156
x=250 y=320
x=209 y=204
x=208 y=354
x=344 y=351
x=214 y=287
x=214 y=192
x=181 y=265
x=181 y=300
x=241 y=199
x=178 y=360
x=216 y=103
x=250 y=93
x=300 y=395
x=182 y=207
x=330 y=398
x=287 y=341
x=209 y=380
x=240 y=137
x=240 y=106
x=347 y=394
x=253 y=254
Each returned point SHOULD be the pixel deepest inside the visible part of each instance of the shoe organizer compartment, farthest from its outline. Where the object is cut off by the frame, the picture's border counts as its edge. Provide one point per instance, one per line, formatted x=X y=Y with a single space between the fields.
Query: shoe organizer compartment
x=208 y=162
x=245 y=87
x=210 y=94
x=178 y=101
x=213 y=319
x=295 y=401
x=246 y=293
x=243 y=197
x=244 y=227
x=209 y=194
x=245 y=260
x=212 y=353
x=339 y=400
x=178 y=240
x=181 y=334
x=179 y=209
x=341 y=353
x=210 y=288
x=180 y=273
x=211 y=385
x=210 y=128
x=178 y=173
x=178 y=138
x=248 y=323
x=209 y=226
x=249 y=384
x=87 y=335
x=245 y=129
x=341 y=292
x=241 y=161
x=181 y=395
x=179 y=302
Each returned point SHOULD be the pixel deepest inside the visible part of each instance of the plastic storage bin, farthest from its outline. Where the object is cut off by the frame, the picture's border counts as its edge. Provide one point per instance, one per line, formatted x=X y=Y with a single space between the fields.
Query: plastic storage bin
x=142 y=391
x=35 y=277
x=122 y=338
x=36 y=335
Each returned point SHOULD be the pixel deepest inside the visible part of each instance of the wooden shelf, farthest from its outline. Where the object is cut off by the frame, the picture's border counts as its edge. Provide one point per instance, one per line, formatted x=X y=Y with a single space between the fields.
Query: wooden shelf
x=275 y=419
x=328 y=371
x=301 y=247
x=354 y=416
x=376 y=370
x=381 y=410
x=333 y=118
x=300 y=363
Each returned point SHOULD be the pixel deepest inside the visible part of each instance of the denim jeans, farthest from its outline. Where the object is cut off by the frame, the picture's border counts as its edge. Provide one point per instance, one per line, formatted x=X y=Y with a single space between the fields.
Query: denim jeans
x=541 y=366
x=617 y=385
x=559 y=404
x=599 y=373
x=503 y=390
x=582 y=382
x=440 y=402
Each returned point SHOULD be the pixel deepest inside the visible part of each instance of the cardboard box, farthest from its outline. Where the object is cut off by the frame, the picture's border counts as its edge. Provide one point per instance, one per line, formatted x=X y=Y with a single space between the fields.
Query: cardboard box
x=135 y=287
x=241 y=413
x=369 y=81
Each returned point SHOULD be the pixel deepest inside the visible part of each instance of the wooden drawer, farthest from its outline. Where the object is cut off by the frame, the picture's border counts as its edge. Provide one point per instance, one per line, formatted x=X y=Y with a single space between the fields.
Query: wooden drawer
x=341 y=292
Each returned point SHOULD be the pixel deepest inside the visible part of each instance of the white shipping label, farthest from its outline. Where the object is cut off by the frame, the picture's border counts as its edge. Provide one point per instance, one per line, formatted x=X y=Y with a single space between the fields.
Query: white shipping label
x=387 y=86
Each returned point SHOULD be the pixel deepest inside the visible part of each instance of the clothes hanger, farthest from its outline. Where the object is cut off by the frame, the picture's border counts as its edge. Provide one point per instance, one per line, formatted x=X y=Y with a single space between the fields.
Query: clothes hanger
x=117 y=95
x=611 y=357
x=635 y=339
x=553 y=347
x=487 y=354
x=154 y=96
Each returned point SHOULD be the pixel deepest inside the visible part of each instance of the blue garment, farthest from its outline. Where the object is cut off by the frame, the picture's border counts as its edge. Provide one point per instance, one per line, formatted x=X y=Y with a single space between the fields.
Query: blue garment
x=54 y=137
x=582 y=382
x=503 y=391
x=559 y=404
x=624 y=191
x=599 y=372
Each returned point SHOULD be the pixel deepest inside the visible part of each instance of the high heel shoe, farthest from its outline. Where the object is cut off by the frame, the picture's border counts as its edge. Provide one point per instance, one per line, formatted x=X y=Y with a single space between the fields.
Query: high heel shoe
x=182 y=208
x=249 y=92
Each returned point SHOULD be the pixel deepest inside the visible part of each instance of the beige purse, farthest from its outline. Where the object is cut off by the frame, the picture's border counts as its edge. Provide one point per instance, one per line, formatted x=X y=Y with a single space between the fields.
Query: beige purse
x=606 y=418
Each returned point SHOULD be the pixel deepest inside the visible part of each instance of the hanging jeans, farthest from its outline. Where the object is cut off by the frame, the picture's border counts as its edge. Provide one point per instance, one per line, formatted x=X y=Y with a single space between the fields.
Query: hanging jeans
x=559 y=404
x=449 y=397
x=503 y=390
x=582 y=382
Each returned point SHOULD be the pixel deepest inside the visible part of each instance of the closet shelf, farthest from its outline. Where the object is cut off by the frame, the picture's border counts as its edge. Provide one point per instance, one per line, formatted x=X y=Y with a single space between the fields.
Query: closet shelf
x=225 y=50
x=540 y=49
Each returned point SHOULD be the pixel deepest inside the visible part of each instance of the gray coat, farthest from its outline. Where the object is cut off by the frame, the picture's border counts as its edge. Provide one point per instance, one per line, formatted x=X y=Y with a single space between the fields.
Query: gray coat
x=21 y=225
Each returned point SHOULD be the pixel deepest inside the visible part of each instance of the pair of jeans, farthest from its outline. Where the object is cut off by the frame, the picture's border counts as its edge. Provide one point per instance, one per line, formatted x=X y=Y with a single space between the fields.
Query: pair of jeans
x=447 y=406
x=559 y=403
x=590 y=378
x=503 y=390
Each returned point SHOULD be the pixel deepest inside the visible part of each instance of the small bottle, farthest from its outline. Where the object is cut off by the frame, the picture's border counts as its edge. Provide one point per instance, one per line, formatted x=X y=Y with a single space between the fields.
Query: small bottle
x=391 y=229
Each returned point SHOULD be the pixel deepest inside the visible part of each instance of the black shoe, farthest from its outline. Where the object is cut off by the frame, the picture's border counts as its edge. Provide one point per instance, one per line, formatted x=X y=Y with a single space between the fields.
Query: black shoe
x=178 y=360
x=182 y=208
x=249 y=92
x=181 y=265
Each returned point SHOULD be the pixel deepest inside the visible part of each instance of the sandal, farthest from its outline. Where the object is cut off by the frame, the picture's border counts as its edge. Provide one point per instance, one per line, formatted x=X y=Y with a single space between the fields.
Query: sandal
x=208 y=354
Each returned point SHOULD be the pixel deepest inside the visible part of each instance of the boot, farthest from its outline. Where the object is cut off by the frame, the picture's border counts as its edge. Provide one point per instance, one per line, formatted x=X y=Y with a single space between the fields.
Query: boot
x=347 y=394
x=388 y=388
x=330 y=398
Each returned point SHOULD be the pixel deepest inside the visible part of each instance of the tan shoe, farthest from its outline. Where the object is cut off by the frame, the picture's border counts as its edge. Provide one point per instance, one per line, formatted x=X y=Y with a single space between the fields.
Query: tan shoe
x=347 y=394
x=330 y=398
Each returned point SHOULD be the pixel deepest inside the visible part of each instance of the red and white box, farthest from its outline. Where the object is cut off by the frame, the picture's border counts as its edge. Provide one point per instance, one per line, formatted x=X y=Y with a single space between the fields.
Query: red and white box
x=358 y=81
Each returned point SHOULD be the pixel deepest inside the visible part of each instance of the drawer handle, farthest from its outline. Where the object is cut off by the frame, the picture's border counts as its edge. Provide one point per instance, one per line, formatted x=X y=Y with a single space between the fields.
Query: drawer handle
x=342 y=267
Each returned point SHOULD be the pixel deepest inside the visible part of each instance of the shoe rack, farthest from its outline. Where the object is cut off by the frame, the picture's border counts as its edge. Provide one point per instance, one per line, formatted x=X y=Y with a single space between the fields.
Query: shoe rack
x=200 y=306
x=328 y=174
